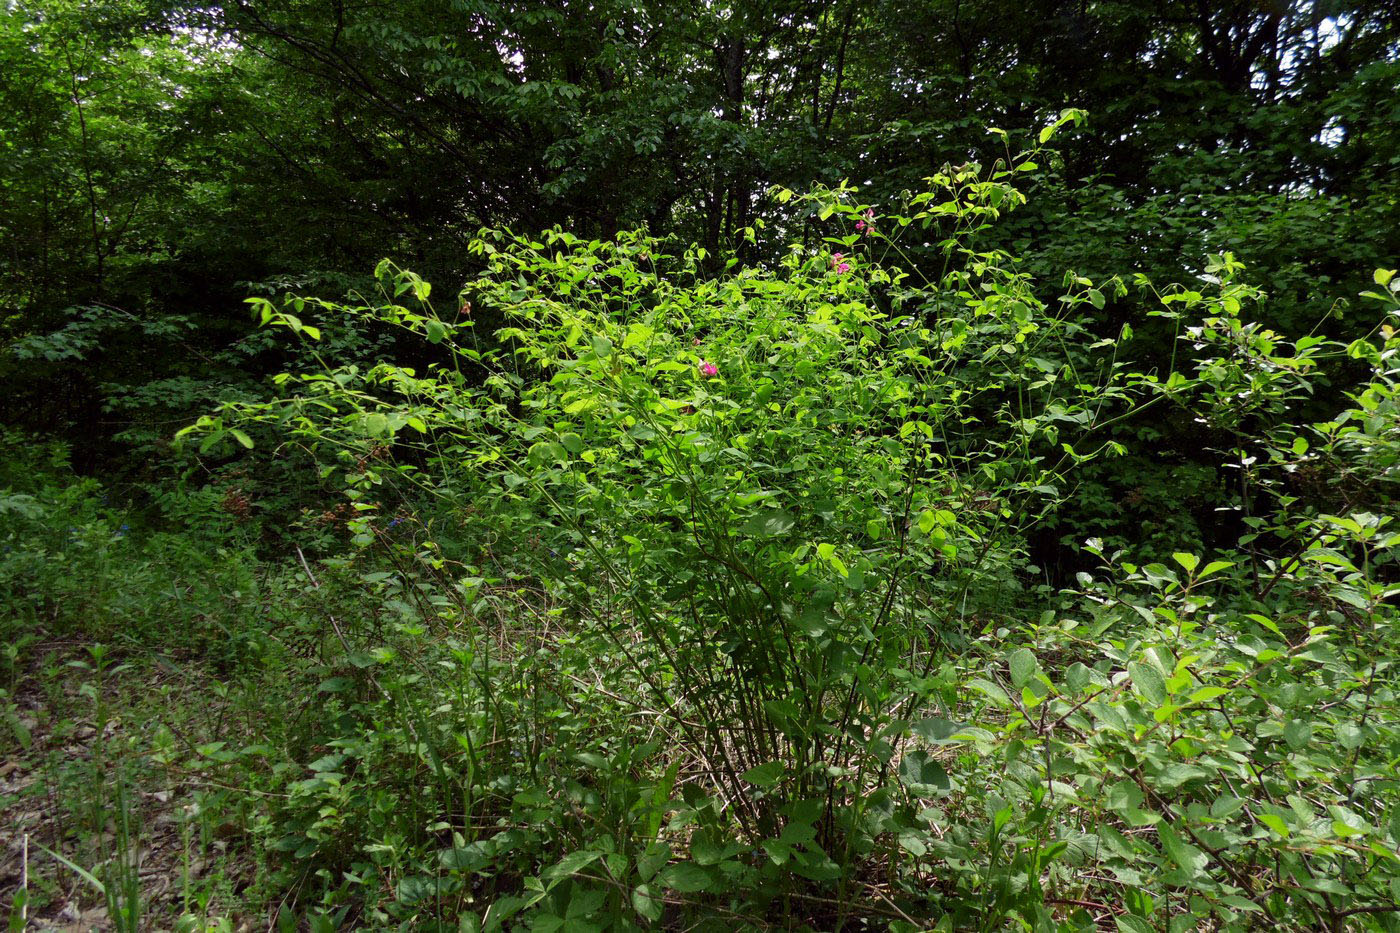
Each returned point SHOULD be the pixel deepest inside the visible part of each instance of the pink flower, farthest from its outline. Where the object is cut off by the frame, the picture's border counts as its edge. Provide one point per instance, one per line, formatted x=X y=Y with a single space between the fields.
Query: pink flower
x=695 y=342
x=844 y=267
x=708 y=369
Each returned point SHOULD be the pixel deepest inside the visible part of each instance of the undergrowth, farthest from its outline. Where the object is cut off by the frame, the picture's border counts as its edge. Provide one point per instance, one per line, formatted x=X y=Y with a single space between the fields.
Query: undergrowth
x=688 y=602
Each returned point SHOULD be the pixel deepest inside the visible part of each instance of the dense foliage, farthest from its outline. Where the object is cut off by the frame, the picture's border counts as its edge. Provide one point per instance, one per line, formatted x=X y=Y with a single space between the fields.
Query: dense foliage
x=764 y=486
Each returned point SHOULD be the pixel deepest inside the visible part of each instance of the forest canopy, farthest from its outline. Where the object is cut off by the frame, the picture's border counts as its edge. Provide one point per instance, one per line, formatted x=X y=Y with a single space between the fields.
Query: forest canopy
x=770 y=464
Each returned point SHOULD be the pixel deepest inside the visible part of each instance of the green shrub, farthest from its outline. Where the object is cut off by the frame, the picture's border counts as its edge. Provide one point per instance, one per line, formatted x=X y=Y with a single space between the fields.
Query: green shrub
x=707 y=601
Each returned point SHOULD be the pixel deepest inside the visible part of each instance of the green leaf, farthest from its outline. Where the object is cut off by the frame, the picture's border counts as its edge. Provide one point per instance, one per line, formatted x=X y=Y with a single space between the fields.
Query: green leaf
x=573 y=863
x=1189 y=858
x=765 y=775
x=1124 y=796
x=470 y=858
x=1215 y=566
x=652 y=860
x=242 y=438
x=81 y=872
x=816 y=866
x=1148 y=682
x=918 y=771
x=1345 y=830
x=995 y=693
x=544 y=452
x=1189 y=561
x=934 y=729
x=772 y=523
x=1077 y=677
x=1297 y=733
x=686 y=877
x=375 y=424
x=706 y=852
x=1023 y=667
x=827 y=552
x=1206 y=694
x=637 y=334
x=1225 y=805
x=1349 y=735
x=913 y=843
x=646 y=903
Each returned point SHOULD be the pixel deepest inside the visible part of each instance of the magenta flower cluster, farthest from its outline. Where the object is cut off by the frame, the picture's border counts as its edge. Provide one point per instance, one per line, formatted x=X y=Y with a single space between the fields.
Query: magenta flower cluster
x=838 y=262
x=708 y=369
x=867 y=221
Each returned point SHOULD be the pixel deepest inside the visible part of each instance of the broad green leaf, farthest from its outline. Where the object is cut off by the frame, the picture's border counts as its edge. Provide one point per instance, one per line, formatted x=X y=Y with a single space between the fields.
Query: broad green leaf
x=765 y=775
x=1023 y=667
x=652 y=860
x=935 y=729
x=995 y=693
x=1186 y=856
x=375 y=424
x=686 y=877
x=1297 y=733
x=772 y=523
x=1349 y=735
x=918 y=771
x=1215 y=566
x=572 y=863
x=1148 y=682
x=646 y=903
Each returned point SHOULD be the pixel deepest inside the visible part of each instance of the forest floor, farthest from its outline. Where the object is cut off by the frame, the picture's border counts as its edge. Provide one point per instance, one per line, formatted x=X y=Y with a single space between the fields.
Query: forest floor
x=91 y=795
